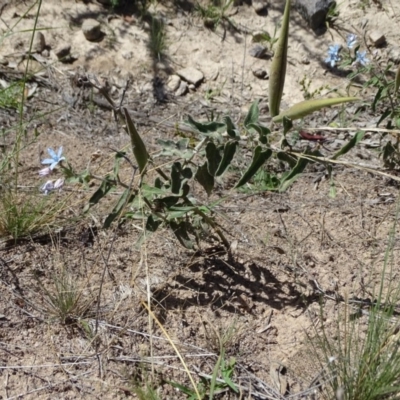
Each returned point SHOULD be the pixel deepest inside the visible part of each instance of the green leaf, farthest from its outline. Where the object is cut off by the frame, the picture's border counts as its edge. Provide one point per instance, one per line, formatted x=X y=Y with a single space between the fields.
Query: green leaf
x=152 y=224
x=175 y=149
x=176 y=177
x=207 y=127
x=180 y=231
x=106 y=186
x=349 y=145
x=293 y=174
x=252 y=115
x=306 y=107
x=205 y=179
x=126 y=197
x=213 y=158
x=282 y=156
x=262 y=131
x=259 y=158
x=138 y=147
x=229 y=152
x=278 y=66
x=231 y=129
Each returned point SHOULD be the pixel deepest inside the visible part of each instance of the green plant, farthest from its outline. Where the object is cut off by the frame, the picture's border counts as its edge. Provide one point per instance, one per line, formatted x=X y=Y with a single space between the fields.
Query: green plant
x=215 y=14
x=359 y=363
x=22 y=215
x=168 y=198
x=157 y=41
x=65 y=300
x=305 y=84
x=264 y=37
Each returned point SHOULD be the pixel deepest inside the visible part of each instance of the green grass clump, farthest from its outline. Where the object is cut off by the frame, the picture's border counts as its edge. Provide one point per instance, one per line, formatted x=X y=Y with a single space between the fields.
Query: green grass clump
x=22 y=215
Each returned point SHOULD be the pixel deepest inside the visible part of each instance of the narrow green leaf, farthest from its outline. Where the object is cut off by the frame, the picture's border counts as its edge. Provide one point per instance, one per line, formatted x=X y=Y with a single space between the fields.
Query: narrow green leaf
x=259 y=158
x=397 y=80
x=105 y=187
x=229 y=152
x=125 y=198
x=262 y=131
x=293 y=174
x=349 y=145
x=176 y=179
x=213 y=158
x=207 y=127
x=306 y=107
x=138 y=147
x=181 y=234
x=252 y=115
x=152 y=224
x=231 y=129
x=204 y=178
x=282 y=156
x=278 y=67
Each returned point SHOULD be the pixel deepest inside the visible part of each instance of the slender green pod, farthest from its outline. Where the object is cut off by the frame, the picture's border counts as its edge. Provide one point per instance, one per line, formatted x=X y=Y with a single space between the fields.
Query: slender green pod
x=278 y=67
x=306 y=107
x=397 y=80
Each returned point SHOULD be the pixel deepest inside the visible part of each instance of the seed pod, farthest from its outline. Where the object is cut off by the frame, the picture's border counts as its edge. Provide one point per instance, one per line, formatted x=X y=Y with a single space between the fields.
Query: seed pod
x=278 y=67
x=306 y=107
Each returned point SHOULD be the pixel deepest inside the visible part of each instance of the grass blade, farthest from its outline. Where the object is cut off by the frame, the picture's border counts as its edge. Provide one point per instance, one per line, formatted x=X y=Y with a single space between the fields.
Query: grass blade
x=138 y=147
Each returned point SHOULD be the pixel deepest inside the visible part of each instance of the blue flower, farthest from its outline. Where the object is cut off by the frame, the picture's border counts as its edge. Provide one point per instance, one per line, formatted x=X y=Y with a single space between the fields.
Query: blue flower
x=333 y=55
x=55 y=158
x=351 y=40
x=361 y=59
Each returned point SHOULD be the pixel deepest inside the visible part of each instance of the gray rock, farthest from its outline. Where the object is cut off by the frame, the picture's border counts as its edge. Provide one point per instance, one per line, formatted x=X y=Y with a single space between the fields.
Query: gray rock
x=182 y=90
x=377 y=38
x=258 y=51
x=3 y=61
x=63 y=52
x=260 y=73
x=394 y=55
x=174 y=83
x=91 y=29
x=314 y=11
x=191 y=75
x=260 y=6
x=39 y=43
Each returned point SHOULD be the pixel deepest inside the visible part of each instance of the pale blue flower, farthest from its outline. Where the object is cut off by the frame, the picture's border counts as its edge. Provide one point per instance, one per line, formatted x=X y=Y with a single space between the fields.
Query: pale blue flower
x=351 y=40
x=361 y=58
x=50 y=186
x=333 y=55
x=55 y=159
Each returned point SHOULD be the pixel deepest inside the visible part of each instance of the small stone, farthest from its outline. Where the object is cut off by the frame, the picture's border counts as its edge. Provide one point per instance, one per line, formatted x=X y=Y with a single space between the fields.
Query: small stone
x=377 y=38
x=3 y=61
x=260 y=73
x=260 y=6
x=191 y=86
x=394 y=55
x=63 y=52
x=40 y=43
x=173 y=83
x=182 y=90
x=127 y=55
x=305 y=60
x=314 y=12
x=45 y=53
x=191 y=75
x=258 y=51
x=91 y=29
